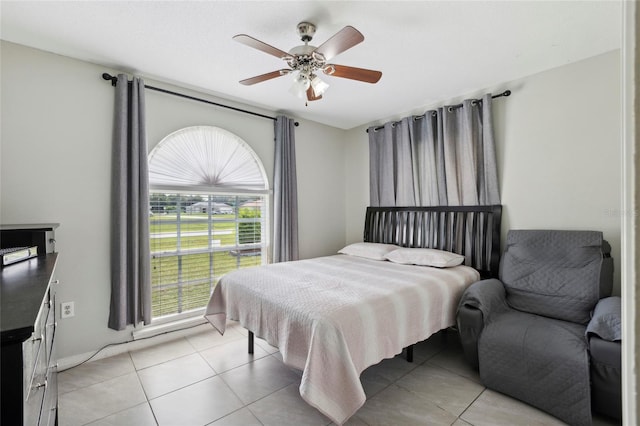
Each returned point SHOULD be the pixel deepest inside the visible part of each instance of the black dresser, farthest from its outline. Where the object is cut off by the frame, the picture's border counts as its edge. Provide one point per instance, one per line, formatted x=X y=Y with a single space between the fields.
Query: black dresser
x=29 y=390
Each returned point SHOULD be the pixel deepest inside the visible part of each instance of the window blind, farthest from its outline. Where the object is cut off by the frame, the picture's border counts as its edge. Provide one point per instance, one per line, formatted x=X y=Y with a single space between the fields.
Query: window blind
x=197 y=238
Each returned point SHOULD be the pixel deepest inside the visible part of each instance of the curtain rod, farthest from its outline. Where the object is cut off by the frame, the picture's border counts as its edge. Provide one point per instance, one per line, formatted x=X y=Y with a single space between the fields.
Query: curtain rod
x=452 y=107
x=114 y=79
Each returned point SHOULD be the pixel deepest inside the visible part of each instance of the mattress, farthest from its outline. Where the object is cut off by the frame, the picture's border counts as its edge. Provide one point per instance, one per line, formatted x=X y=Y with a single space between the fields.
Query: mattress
x=334 y=316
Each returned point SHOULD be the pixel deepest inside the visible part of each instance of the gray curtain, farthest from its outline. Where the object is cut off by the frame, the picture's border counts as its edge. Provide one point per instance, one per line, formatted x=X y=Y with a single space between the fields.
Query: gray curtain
x=285 y=193
x=390 y=152
x=444 y=157
x=130 y=257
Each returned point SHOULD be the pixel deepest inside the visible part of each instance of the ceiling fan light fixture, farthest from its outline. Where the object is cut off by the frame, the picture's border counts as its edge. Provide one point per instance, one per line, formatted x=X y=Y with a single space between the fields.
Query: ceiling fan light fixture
x=300 y=85
x=319 y=86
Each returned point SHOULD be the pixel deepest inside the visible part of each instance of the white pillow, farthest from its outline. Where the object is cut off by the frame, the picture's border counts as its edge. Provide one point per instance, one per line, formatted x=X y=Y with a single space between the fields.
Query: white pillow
x=425 y=257
x=375 y=251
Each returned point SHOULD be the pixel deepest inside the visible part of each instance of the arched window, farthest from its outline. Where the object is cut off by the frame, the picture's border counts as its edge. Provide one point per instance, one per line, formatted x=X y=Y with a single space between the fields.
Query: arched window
x=208 y=207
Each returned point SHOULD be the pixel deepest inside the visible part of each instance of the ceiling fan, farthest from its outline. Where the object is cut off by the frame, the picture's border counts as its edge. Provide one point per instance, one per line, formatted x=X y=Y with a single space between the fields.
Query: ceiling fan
x=305 y=61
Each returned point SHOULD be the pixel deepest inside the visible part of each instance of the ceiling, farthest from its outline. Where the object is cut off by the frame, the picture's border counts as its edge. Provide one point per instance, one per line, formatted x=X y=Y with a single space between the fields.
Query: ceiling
x=429 y=52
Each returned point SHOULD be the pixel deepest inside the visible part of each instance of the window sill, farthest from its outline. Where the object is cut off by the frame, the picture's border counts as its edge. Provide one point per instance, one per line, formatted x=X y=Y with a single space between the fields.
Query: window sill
x=174 y=323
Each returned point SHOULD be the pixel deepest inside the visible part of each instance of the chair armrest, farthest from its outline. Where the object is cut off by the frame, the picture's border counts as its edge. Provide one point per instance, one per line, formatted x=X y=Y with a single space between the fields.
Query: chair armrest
x=476 y=304
x=606 y=322
x=487 y=296
x=470 y=324
x=605 y=349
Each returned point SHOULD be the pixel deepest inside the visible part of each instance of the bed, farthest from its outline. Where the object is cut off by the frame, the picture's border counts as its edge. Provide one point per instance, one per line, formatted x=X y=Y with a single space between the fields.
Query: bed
x=334 y=316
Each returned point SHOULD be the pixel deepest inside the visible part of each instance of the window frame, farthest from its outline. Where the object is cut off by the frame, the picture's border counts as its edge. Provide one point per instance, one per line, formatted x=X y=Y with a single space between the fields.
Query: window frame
x=210 y=193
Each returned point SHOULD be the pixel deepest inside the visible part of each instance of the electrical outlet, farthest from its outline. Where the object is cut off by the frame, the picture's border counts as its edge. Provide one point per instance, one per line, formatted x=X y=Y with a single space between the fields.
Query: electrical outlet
x=67 y=310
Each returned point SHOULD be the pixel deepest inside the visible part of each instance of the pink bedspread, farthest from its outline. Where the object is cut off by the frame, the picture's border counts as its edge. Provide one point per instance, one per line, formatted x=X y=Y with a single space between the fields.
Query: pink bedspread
x=334 y=316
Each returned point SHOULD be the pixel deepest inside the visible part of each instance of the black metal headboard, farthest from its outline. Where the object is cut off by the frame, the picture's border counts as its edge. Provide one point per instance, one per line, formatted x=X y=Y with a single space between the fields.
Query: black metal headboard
x=472 y=231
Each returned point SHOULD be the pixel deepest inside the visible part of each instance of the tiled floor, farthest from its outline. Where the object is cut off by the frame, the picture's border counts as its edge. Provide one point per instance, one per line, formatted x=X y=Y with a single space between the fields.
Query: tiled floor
x=208 y=379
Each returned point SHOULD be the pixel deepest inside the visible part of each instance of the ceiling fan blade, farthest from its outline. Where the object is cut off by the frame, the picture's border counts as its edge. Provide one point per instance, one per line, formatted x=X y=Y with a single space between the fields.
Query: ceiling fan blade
x=311 y=95
x=344 y=39
x=264 y=77
x=257 y=44
x=353 y=73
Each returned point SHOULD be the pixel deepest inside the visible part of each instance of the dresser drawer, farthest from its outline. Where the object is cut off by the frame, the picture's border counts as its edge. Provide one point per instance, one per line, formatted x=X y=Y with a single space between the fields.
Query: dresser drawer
x=50 y=401
x=50 y=328
x=48 y=414
x=33 y=405
x=35 y=351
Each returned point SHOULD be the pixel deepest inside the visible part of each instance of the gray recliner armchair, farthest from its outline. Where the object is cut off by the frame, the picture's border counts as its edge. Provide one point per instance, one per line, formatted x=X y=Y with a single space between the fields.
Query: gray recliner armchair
x=546 y=332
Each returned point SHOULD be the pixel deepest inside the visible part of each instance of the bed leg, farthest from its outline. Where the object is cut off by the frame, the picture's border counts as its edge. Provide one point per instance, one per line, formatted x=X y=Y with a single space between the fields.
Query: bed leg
x=250 y=342
x=410 y=353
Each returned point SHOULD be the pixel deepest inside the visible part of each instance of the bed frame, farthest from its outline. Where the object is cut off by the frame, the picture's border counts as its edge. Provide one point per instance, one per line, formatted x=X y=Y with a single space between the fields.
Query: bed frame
x=472 y=231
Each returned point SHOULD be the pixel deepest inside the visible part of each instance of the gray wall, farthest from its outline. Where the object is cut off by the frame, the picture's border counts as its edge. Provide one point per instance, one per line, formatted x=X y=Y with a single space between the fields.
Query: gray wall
x=559 y=152
x=55 y=167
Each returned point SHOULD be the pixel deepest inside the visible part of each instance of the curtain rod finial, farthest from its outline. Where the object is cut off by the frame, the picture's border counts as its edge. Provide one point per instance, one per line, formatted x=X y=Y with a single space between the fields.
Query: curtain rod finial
x=108 y=77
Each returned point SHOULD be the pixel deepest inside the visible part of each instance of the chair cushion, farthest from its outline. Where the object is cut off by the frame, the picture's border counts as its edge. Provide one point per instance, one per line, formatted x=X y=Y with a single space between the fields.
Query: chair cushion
x=553 y=273
x=541 y=361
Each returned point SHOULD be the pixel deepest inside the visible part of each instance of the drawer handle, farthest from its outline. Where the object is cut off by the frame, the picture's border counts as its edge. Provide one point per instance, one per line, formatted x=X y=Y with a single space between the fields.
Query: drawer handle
x=35 y=339
x=40 y=385
x=54 y=367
